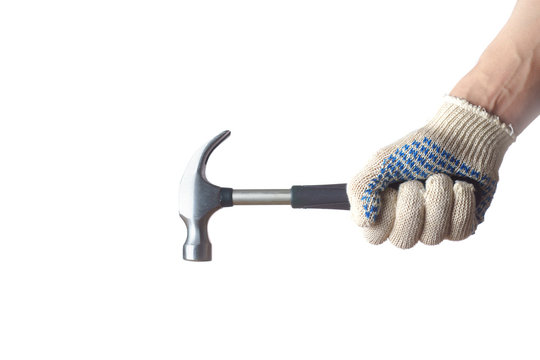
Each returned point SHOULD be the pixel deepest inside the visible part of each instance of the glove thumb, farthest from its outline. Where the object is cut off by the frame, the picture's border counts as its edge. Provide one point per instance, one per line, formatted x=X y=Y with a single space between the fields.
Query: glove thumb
x=364 y=192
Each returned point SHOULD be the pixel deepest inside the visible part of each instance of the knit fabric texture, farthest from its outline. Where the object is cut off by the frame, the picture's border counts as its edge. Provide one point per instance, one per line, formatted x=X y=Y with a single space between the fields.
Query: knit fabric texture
x=457 y=155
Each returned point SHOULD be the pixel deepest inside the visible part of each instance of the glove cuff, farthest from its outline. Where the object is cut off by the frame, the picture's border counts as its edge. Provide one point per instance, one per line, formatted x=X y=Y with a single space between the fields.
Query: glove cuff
x=471 y=133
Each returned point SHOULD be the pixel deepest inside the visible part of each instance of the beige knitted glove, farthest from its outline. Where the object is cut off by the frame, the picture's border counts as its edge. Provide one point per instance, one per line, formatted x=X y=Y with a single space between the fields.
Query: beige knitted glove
x=458 y=153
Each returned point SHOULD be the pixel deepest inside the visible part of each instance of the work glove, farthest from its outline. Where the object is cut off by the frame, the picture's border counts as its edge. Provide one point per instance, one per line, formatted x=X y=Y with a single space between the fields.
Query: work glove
x=435 y=183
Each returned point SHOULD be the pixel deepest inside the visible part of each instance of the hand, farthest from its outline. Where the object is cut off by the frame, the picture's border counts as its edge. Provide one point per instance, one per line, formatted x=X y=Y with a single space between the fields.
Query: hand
x=440 y=209
x=462 y=142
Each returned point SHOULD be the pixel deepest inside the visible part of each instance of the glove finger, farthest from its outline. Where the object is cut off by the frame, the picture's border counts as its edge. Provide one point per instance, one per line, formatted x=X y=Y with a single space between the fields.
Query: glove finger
x=380 y=230
x=463 y=221
x=439 y=201
x=409 y=215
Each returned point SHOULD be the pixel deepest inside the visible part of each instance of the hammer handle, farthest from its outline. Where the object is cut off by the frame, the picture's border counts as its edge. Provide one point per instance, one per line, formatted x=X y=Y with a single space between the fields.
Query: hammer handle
x=332 y=196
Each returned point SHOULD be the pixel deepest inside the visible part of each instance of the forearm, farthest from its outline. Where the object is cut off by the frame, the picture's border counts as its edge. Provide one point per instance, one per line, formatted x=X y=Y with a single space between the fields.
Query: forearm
x=506 y=79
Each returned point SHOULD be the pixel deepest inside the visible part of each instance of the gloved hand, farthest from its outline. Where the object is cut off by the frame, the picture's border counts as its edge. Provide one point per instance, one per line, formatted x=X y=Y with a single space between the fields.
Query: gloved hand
x=462 y=142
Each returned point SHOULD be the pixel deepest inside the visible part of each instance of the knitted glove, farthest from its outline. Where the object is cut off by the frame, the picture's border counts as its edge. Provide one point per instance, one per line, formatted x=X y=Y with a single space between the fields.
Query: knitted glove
x=462 y=142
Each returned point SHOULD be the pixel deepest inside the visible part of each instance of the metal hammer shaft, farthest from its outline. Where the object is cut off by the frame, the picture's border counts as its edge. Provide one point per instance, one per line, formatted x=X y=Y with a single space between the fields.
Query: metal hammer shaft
x=261 y=197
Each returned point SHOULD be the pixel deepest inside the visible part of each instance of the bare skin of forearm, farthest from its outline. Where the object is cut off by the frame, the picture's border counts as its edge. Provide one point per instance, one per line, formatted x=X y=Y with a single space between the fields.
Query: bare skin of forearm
x=506 y=79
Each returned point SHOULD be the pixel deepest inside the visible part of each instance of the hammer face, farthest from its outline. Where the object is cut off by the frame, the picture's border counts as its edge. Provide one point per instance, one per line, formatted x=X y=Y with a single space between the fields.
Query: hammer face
x=204 y=200
x=197 y=246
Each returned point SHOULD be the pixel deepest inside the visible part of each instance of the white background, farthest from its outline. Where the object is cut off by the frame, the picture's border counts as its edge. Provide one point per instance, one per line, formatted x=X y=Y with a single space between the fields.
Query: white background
x=102 y=104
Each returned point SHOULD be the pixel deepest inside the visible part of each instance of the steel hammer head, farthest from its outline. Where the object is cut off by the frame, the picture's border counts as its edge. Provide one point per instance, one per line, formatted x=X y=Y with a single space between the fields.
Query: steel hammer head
x=199 y=199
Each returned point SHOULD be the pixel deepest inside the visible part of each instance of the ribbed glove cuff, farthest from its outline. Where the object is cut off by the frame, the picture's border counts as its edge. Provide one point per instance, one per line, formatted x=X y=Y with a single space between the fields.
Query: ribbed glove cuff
x=470 y=132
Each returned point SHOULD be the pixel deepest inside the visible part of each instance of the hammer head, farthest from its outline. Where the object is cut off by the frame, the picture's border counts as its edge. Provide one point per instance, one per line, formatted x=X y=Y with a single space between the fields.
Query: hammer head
x=198 y=200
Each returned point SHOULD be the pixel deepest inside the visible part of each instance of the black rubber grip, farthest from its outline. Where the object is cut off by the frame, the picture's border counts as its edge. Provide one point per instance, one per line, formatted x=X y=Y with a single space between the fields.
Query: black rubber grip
x=320 y=197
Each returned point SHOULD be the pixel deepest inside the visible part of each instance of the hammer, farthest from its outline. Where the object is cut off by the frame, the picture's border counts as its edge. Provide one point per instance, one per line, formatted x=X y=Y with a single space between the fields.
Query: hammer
x=199 y=199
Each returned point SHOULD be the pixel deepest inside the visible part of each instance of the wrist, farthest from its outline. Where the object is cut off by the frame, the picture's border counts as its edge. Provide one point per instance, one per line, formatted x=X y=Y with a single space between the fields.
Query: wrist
x=506 y=79
x=505 y=85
